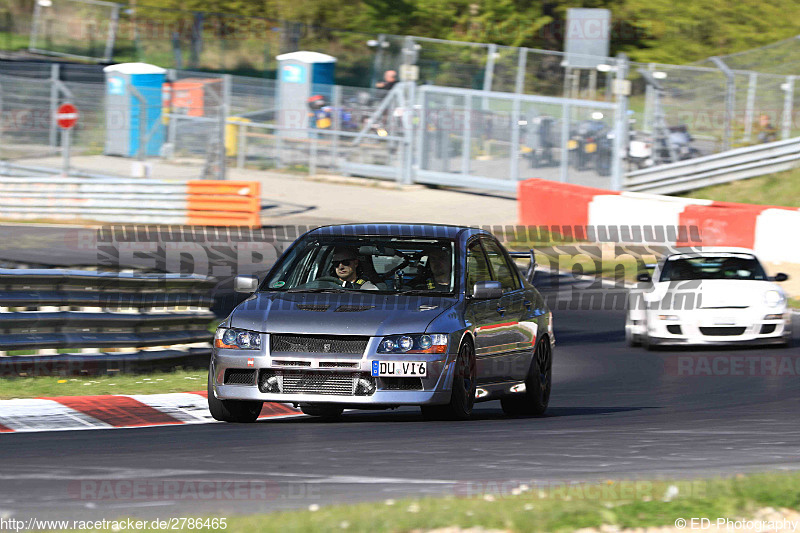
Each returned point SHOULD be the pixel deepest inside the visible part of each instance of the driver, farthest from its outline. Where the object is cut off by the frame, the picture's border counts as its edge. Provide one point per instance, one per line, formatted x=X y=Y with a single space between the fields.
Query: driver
x=345 y=265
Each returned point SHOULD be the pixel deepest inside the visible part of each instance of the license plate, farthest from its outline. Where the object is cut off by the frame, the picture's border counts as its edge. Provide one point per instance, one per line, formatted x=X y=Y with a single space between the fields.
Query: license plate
x=571 y=144
x=590 y=148
x=400 y=369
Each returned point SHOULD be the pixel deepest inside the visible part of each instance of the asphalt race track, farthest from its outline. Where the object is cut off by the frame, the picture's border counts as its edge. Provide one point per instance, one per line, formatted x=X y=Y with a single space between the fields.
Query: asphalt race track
x=616 y=412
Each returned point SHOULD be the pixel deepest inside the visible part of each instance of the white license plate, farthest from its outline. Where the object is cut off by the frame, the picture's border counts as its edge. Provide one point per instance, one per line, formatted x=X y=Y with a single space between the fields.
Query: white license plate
x=400 y=369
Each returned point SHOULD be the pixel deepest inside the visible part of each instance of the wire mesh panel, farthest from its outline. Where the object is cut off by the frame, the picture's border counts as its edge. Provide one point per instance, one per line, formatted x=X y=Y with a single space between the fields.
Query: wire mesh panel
x=75 y=28
x=491 y=140
x=26 y=115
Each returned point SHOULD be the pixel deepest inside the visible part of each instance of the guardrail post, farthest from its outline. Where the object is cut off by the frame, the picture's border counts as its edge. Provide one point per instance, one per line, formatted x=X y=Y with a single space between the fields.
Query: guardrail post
x=788 y=100
x=751 y=103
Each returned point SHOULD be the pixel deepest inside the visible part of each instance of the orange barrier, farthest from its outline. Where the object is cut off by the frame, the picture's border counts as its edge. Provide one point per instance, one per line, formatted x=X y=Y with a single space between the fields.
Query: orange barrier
x=224 y=203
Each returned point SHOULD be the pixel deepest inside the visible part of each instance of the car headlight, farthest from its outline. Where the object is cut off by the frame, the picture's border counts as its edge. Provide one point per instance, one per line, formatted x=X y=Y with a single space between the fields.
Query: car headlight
x=773 y=298
x=433 y=343
x=237 y=339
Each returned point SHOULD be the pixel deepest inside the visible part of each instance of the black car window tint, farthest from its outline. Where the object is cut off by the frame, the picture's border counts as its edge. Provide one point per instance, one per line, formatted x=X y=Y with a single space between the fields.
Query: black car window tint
x=500 y=268
x=477 y=267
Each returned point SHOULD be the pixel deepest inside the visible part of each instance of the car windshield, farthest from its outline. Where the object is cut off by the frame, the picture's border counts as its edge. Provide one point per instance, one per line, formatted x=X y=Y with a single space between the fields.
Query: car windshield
x=723 y=266
x=383 y=264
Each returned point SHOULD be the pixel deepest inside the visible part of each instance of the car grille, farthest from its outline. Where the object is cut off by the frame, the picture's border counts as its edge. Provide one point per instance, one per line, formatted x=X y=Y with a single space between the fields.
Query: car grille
x=278 y=362
x=239 y=376
x=331 y=383
x=401 y=383
x=349 y=344
x=722 y=331
x=337 y=364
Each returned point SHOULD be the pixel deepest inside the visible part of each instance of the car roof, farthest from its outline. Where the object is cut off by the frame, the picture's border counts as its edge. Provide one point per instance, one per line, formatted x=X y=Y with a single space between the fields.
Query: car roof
x=700 y=250
x=443 y=231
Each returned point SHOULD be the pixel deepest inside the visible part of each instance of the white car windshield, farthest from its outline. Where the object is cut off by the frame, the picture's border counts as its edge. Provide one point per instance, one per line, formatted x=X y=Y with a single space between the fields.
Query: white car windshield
x=732 y=267
x=384 y=264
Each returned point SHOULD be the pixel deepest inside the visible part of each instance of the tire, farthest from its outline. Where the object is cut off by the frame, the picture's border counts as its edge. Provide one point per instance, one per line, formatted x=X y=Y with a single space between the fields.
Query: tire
x=462 y=397
x=239 y=411
x=538 y=384
x=328 y=412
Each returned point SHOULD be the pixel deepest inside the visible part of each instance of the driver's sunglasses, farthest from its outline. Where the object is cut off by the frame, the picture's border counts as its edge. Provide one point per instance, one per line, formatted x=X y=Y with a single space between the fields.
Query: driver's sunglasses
x=345 y=262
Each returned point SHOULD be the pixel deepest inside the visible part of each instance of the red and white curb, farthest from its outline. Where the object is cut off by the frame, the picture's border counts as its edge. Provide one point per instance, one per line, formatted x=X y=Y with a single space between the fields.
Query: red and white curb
x=115 y=411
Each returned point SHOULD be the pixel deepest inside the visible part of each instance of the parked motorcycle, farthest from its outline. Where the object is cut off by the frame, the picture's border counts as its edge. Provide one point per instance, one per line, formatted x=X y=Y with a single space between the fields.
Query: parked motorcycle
x=584 y=141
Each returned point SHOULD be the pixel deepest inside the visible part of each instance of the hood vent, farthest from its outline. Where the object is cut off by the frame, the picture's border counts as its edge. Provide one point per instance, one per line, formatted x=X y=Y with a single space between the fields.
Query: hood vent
x=353 y=308
x=313 y=307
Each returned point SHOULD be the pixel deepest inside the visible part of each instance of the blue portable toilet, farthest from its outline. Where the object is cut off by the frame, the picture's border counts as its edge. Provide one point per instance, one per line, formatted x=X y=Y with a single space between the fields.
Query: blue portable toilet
x=300 y=76
x=124 y=109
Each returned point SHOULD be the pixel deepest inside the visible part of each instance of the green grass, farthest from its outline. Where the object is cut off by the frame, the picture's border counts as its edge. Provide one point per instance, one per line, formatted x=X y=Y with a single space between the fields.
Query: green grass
x=558 y=507
x=781 y=189
x=794 y=303
x=151 y=383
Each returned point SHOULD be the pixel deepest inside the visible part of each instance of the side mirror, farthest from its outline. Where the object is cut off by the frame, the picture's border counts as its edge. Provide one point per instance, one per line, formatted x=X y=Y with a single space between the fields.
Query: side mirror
x=487 y=290
x=246 y=284
x=780 y=276
x=644 y=277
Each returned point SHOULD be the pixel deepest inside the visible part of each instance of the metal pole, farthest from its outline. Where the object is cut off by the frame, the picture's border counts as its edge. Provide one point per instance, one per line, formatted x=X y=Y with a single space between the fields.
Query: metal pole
x=489 y=72
x=522 y=61
x=649 y=96
x=592 y=84
x=622 y=89
x=37 y=17
x=241 y=145
x=515 y=140
x=54 y=83
x=749 y=110
x=112 y=34
x=788 y=100
x=565 y=126
x=466 y=143
x=337 y=124
x=65 y=145
x=408 y=125
x=312 y=165
x=444 y=134
x=730 y=95
x=223 y=120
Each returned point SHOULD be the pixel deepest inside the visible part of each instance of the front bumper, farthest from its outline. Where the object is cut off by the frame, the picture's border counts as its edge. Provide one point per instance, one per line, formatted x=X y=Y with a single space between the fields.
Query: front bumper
x=433 y=389
x=719 y=327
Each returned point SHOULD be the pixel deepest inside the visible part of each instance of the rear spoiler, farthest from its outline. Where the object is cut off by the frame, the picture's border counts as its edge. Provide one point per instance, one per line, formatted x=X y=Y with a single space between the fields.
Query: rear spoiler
x=529 y=255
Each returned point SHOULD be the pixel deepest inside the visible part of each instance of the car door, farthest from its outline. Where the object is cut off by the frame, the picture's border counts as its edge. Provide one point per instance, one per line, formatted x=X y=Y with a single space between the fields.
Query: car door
x=513 y=344
x=481 y=314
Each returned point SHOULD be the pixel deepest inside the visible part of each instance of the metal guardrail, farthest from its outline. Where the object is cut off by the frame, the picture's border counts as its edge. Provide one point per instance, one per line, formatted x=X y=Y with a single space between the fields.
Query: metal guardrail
x=203 y=202
x=733 y=165
x=65 y=317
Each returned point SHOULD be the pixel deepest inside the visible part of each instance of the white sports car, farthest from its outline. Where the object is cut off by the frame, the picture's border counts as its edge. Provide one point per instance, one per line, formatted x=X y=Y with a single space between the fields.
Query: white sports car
x=717 y=295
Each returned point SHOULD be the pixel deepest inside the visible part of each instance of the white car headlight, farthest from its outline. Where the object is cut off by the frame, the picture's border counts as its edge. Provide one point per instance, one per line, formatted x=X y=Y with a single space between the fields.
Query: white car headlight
x=773 y=298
